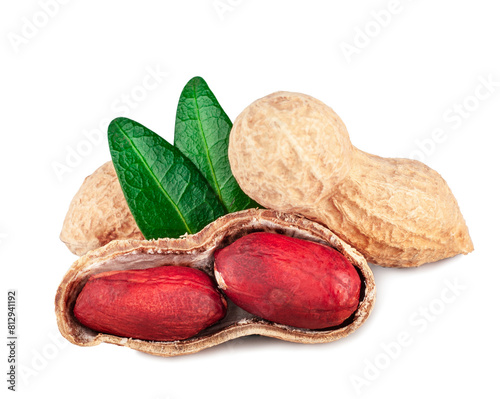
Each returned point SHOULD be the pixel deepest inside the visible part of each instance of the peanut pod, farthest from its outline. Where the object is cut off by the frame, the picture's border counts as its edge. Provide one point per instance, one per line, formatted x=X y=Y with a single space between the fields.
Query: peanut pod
x=292 y=153
x=197 y=251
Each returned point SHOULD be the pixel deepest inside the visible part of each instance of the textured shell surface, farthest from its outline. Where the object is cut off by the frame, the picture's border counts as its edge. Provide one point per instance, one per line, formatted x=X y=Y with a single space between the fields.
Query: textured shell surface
x=98 y=213
x=290 y=152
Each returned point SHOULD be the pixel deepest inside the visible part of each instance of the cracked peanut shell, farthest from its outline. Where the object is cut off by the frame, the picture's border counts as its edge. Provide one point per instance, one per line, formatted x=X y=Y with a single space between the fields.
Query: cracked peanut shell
x=198 y=251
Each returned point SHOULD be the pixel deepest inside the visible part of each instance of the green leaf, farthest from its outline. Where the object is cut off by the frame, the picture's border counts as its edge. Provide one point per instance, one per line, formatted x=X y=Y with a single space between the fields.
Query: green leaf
x=202 y=134
x=165 y=192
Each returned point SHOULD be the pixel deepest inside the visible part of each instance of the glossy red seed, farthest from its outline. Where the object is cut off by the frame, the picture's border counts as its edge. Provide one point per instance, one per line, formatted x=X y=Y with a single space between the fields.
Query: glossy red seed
x=164 y=303
x=288 y=280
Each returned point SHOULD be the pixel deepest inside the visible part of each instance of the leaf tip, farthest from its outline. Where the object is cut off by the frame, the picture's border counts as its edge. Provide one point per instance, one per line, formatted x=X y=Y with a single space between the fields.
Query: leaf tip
x=195 y=81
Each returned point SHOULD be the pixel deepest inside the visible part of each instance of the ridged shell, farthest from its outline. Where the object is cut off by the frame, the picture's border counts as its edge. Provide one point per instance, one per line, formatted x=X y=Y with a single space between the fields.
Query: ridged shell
x=290 y=152
x=197 y=251
x=98 y=214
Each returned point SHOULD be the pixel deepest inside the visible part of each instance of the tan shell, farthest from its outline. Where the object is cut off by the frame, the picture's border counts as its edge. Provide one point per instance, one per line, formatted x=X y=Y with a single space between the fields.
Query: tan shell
x=197 y=251
x=98 y=214
x=292 y=153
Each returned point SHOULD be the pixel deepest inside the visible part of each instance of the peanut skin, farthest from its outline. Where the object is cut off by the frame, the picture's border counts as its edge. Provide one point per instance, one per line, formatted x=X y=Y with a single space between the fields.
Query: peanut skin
x=289 y=281
x=164 y=303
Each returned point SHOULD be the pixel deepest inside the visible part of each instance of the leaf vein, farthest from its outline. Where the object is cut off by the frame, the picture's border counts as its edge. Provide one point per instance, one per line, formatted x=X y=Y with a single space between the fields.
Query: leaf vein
x=155 y=178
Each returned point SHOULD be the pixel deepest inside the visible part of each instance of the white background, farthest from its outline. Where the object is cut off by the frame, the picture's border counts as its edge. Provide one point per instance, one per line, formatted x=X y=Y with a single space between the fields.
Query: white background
x=67 y=73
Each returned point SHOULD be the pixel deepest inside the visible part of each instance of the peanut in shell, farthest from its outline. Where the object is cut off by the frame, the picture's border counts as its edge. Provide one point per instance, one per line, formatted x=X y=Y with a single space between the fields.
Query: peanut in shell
x=98 y=214
x=197 y=251
x=292 y=153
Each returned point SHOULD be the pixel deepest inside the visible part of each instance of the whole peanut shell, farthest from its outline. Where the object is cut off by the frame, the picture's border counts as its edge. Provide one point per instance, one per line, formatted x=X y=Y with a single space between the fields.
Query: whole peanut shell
x=292 y=153
x=98 y=213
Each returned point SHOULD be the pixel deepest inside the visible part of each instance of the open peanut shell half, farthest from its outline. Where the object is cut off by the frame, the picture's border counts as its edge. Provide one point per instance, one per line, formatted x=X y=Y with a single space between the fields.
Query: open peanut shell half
x=197 y=251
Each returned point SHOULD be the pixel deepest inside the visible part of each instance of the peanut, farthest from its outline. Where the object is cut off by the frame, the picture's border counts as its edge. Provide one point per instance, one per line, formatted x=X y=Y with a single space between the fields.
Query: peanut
x=288 y=281
x=292 y=153
x=198 y=250
x=98 y=214
x=161 y=304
